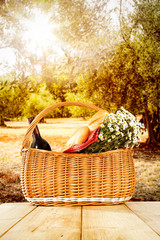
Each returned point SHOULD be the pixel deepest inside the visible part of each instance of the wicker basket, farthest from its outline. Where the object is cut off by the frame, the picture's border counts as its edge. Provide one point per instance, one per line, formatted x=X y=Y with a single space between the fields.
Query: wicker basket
x=53 y=178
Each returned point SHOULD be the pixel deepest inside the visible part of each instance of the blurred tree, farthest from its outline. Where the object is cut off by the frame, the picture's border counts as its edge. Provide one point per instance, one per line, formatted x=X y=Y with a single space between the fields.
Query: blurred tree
x=85 y=21
x=138 y=68
x=12 y=28
x=58 y=83
x=39 y=100
x=13 y=95
x=129 y=73
x=87 y=34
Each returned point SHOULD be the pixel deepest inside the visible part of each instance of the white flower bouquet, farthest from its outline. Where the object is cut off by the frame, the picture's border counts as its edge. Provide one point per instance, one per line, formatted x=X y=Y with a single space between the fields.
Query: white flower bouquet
x=119 y=130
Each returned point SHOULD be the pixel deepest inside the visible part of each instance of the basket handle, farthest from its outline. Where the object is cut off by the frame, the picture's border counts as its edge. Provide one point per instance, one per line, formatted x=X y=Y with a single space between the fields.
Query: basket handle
x=25 y=143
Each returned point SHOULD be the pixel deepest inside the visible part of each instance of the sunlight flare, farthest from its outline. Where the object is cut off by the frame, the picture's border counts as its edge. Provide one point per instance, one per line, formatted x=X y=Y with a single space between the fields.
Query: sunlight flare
x=40 y=31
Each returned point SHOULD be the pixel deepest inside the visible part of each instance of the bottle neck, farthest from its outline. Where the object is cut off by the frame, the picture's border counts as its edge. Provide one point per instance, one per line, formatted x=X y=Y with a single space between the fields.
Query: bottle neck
x=36 y=132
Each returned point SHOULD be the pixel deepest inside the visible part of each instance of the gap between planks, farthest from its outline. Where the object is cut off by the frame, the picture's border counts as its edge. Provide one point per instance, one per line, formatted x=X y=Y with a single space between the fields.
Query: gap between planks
x=96 y=221
x=48 y=223
x=114 y=222
x=19 y=219
x=145 y=212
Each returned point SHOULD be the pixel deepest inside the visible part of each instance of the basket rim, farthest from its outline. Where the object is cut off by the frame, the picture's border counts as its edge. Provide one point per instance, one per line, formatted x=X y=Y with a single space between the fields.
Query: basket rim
x=78 y=154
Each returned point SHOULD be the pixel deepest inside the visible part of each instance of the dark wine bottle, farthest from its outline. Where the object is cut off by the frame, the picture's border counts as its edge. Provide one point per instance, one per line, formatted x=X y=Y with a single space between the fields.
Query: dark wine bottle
x=38 y=142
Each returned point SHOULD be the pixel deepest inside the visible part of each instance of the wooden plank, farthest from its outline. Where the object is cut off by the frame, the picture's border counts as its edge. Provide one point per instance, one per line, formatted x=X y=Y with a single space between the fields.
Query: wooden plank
x=48 y=223
x=114 y=223
x=11 y=213
x=148 y=212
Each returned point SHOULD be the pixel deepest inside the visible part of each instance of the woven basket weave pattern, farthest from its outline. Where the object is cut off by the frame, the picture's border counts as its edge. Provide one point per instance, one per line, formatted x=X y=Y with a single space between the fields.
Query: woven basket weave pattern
x=51 y=178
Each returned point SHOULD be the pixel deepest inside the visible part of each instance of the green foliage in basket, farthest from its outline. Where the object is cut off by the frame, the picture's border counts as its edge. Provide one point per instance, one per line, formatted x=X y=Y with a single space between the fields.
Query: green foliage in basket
x=119 y=130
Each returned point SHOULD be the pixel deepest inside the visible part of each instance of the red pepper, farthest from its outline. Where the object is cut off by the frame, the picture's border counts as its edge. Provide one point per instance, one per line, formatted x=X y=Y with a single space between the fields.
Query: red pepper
x=79 y=147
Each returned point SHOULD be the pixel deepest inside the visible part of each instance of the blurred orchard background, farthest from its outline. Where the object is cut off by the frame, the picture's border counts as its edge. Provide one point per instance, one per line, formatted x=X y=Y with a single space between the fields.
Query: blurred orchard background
x=104 y=52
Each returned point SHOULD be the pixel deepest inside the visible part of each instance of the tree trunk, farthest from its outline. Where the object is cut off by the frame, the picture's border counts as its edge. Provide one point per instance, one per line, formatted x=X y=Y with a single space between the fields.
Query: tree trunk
x=2 y=123
x=151 y=138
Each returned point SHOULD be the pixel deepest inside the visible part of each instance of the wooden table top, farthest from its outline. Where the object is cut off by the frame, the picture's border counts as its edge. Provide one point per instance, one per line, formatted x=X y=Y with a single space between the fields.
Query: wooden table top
x=129 y=221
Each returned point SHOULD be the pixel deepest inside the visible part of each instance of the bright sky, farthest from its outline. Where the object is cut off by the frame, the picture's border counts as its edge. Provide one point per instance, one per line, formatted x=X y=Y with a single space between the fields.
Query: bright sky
x=126 y=8
x=7 y=60
x=40 y=34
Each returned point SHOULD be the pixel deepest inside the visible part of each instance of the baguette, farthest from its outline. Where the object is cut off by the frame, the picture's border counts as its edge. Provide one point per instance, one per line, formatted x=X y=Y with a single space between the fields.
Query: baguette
x=78 y=137
x=97 y=119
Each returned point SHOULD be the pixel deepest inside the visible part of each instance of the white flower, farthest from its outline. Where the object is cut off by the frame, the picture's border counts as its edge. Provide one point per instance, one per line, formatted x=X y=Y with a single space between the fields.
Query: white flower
x=128 y=114
x=134 y=140
x=122 y=108
x=118 y=112
x=142 y=125
x=112 y=120
x=122 y=134
x=119 y=122
x=120 y=116
x=132 y=116
x=132 y=124
x=111 y=116
x=121 y=126
x=117 y=128
x=135 y=131
x=111 y=129
x=130 y=135
x=101 y=136
x=125 y=125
